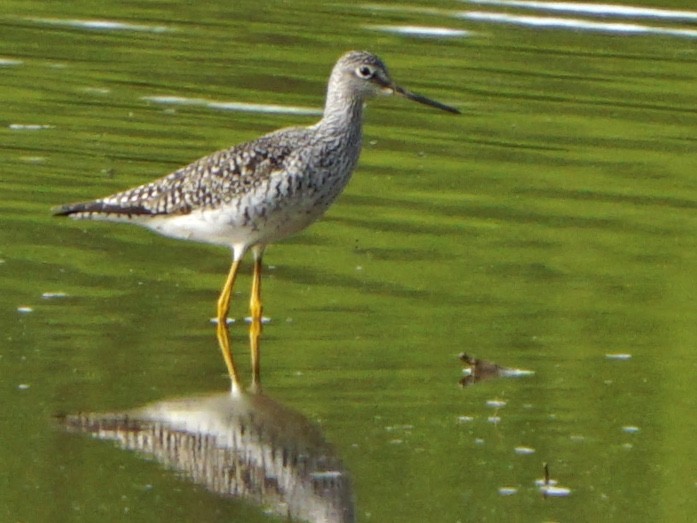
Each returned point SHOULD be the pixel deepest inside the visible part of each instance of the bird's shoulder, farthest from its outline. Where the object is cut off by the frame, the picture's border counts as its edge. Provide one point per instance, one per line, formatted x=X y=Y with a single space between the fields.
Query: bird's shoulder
x=256 y=158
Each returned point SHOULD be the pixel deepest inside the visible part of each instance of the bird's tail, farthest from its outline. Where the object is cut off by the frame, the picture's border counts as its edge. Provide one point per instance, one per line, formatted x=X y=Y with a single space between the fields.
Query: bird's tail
x=75 y=208
x=102 y=209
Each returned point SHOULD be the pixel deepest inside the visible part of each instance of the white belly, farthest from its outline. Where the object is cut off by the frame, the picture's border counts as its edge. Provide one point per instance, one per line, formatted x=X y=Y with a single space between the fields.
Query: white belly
x=251 y=221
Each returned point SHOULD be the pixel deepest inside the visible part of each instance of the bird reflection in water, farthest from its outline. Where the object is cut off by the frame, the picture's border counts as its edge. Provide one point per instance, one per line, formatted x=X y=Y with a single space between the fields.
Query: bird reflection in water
x=240 y=444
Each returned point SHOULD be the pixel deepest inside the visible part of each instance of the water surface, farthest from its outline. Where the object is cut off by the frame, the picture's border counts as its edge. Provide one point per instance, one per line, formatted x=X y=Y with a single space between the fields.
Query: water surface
x=549 y=228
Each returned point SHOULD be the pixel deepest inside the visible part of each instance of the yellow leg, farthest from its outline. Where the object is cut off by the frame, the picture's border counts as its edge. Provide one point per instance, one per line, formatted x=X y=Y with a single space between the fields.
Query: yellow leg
x=254 y=343
x=256 y=308
x=221 y=329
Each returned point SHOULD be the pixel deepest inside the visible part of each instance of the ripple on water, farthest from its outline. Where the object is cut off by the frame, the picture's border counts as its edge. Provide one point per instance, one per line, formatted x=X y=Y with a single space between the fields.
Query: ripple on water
x=558 y=492
x=233 y=106
x=593 y=9
x=101 y=25
x=420 y=31
x=29 y=127
x=576 y=24
x=9 y=62
x=618 y=356
x=53 y=295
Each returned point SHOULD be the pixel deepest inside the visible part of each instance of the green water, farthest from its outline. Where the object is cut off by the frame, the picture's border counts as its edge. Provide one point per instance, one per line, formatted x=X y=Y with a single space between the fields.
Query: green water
x=551 y=224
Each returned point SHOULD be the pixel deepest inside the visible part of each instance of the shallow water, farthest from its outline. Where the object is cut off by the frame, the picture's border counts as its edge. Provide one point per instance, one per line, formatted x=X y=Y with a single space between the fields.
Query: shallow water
x=550 y=228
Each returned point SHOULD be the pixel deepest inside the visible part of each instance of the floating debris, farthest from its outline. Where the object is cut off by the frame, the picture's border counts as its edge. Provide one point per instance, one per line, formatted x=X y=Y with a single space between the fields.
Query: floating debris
x=477 y=370
x=556 y=491
x=524 y=451
x=496 y=404
x=29 y=127
x=618 y=356
x=391 y=428
x=53 y=295
x=25 y=310
x=23 y=386
x=549 y=487
x=630 y=429
x=508 y=491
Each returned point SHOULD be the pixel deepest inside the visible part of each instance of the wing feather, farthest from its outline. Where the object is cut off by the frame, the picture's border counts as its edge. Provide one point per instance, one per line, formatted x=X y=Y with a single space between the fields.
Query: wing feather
x=206 y=183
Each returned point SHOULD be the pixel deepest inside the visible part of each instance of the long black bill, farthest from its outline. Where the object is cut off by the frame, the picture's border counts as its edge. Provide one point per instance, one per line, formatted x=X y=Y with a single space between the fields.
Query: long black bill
x=423 y=100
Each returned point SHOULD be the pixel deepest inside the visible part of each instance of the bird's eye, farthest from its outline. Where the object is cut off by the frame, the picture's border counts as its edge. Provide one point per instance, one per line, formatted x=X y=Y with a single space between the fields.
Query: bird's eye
x=365 y=71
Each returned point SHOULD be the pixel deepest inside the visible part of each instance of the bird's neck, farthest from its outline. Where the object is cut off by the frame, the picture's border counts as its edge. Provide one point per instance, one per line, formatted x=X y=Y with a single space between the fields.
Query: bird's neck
x=342 y=115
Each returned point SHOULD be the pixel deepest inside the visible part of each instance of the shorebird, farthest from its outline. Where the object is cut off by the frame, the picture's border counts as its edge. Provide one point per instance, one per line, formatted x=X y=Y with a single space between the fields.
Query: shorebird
x=261 y=191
